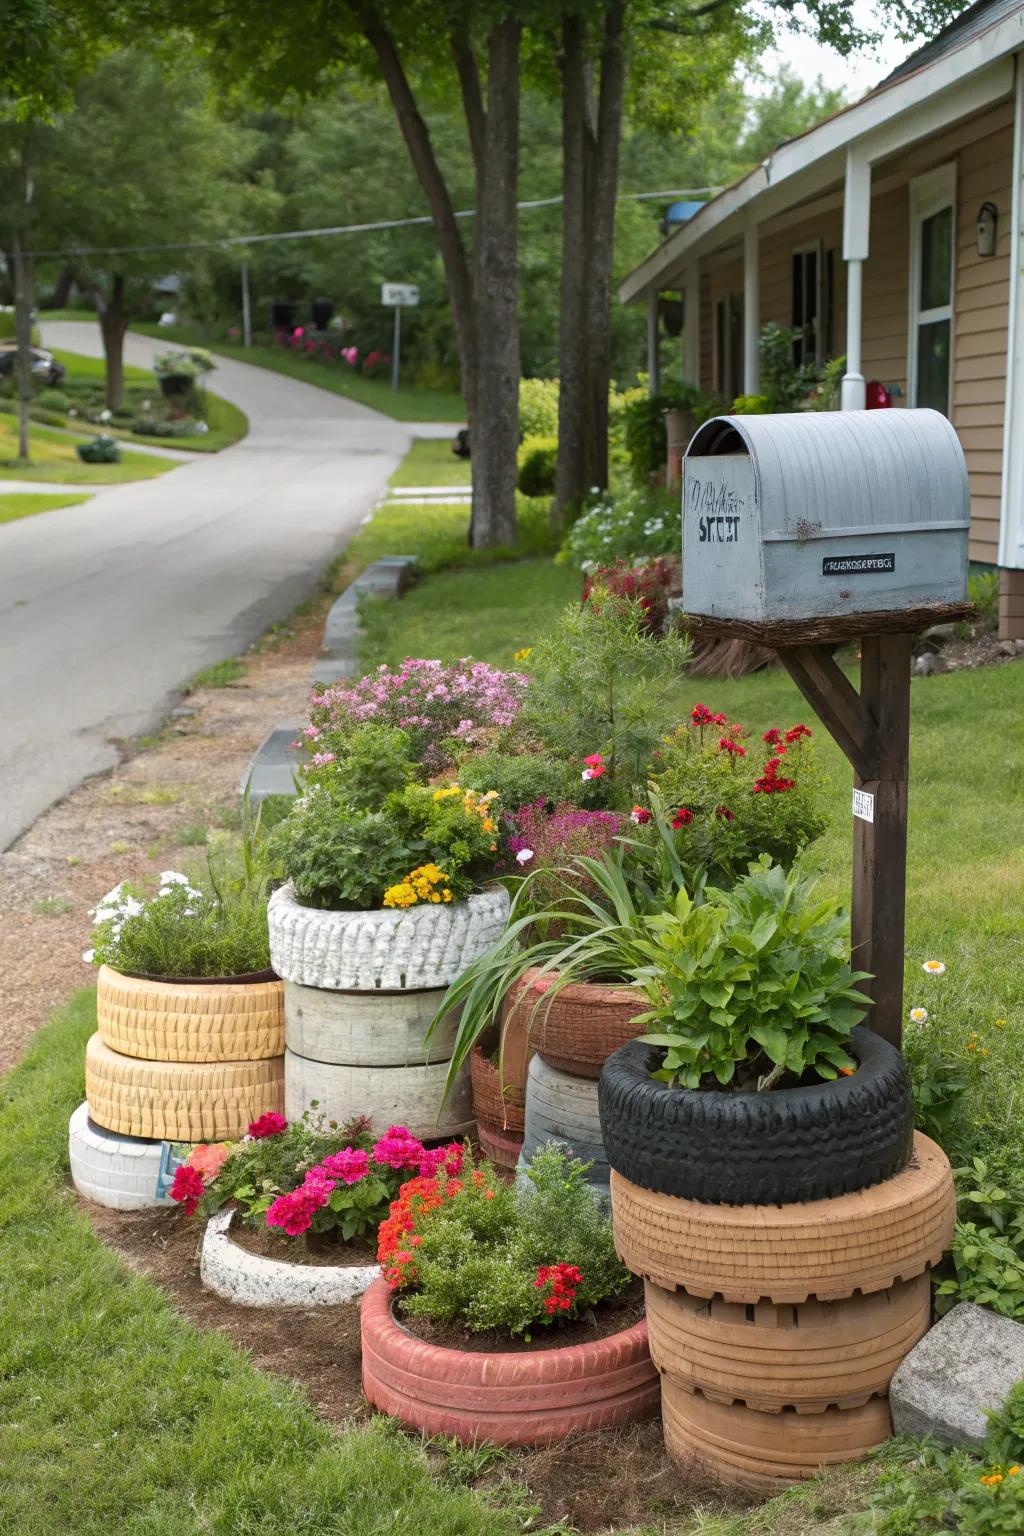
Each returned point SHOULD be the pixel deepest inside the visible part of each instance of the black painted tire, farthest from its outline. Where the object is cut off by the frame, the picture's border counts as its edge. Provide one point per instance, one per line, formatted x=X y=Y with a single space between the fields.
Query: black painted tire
x=773 y=1148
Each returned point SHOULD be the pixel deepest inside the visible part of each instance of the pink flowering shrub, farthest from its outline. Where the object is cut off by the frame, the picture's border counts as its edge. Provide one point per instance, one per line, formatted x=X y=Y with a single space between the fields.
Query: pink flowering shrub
x=434 y=702
x=546 y=842
x=308 y=1176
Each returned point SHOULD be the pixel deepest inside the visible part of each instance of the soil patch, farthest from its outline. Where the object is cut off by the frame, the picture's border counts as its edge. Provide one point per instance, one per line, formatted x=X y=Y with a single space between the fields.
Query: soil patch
x=600 y=1482
x=613 y=1316
x=269 y=1244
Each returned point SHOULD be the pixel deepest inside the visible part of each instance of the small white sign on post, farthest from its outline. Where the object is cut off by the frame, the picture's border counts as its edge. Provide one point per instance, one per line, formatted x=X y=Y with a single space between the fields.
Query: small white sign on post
x=399 y=295
x=864 y=805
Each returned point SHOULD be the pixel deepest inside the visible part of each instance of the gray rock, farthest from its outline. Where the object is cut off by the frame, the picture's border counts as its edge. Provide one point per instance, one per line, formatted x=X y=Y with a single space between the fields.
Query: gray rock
x=963 y=1366
x=273 y=767
x=1019 y=646
x=941 y=634
x=183 y=713
x=930 y=665
x=1008 y=648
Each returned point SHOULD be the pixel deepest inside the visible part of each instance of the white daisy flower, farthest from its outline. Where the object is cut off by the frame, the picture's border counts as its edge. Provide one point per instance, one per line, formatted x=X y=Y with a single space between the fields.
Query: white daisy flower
x=524 y=855
x=919 y=1015
x=934 y=968
x=88 y=955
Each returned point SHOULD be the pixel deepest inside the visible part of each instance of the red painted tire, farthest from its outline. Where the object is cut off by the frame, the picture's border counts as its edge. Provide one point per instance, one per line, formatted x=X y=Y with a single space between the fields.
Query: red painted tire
x=502 y=1106
x=578 y=1028
x=533 y=1398
x=498 y=1146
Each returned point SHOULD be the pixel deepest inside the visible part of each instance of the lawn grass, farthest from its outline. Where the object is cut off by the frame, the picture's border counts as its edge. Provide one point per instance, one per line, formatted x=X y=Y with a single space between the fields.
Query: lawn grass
x=54 y=459
x=965 y=889
x=119 y=1416
x=430 y=461
x=437 y=536
x=27 y=503
x=219 y=674
x=405 y=404
x=94 y=369
x=227 y=423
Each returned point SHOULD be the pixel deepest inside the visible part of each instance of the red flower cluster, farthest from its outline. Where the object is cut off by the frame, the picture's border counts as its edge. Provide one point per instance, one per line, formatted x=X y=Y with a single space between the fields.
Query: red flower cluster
x=701 y=715
x=682 y=818
x=724 y=812
x=796 y=732
x=564 y=1280
x=267 y=1125
x=770 y=782
x=640 y=815
x=187 y=1187
x=595 y=766
x=649 y=585
x=731 y=745
x=397 y=1235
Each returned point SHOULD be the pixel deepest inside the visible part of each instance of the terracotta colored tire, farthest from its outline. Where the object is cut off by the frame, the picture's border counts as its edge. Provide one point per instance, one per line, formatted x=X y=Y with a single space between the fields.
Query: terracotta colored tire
x=179 y=1100
x=189 y=1021
x=498 y=1146
x=808 y=1143
x=532 y=1398
x=765 y=1452
x=501 y=1107
x=579 y=1027
x=824 y=1248
x=807 y=1355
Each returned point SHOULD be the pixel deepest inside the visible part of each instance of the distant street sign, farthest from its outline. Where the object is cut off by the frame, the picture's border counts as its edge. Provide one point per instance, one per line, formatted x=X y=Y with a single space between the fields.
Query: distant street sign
x=400 y=295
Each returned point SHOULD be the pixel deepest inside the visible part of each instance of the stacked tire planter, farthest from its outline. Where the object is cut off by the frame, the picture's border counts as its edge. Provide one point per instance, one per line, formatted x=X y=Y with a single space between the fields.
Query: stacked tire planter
x=573 y=1032
x=360 y=990
x=499 y=1108
x=172 y=1062
x=785 y=1240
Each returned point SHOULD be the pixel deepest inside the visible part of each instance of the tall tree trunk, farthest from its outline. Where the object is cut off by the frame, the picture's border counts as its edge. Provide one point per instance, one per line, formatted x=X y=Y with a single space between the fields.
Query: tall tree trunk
x=23 y=289
x=573 y=394
x=435 y=189
x=602 y=188
x=113 y=324
x=63 y=286
x=497 y=282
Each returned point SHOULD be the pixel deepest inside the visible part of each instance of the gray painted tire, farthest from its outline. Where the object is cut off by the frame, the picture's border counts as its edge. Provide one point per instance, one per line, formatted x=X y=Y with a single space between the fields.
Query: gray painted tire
x=249 y=1280
x=124 y=1173
x=357 y=1029
x=561 y=1107
x=410 y=1096
x=416 y=947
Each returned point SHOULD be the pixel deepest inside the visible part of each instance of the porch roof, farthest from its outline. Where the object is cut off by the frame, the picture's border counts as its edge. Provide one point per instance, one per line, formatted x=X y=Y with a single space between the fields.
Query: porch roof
x=959 y=71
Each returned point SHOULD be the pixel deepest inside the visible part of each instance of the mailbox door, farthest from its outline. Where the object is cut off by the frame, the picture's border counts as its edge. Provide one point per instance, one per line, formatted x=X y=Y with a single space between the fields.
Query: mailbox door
x=723 y=561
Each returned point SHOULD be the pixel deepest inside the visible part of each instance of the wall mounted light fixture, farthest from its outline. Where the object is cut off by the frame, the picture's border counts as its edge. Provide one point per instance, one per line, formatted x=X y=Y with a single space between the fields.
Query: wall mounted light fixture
x=988 y=215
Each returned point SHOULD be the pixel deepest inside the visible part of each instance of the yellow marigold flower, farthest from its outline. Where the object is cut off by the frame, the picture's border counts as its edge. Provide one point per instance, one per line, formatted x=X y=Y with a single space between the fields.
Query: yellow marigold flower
x=447 y=894
x=1013 y=1471
x=448 y=792
x=999 y=1023
x=522 y=654
x=488 y=824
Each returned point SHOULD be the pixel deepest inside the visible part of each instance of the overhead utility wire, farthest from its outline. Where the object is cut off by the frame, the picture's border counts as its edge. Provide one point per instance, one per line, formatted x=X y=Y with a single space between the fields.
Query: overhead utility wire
x=343 y=229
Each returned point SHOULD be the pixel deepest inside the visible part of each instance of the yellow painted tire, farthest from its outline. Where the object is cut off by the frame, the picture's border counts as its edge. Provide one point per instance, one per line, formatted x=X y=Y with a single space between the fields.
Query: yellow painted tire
x=179 y=1100
x=189 y=1021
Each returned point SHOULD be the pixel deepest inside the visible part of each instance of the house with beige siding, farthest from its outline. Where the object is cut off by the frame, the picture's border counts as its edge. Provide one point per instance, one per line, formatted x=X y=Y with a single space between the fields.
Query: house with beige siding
x=893 y=234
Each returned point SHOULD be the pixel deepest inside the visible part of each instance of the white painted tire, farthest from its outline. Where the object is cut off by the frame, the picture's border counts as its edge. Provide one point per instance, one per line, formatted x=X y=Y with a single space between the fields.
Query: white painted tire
x=384 y=1029
x=124 y=1173
x=562 y=1107
x=409 y=1096
x=249 y=1280
x=416 y=947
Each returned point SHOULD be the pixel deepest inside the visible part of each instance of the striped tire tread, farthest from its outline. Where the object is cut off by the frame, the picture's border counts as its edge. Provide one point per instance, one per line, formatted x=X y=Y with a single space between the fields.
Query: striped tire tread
x=864 y=1241
x=495 y=1104
x=123 y=1173
x=561 y=1104
x=532 y=1398
x=580 y=1025
x=793 y=1144
x=366 y=1029
x=179 y=1101
x=807 y=1356
x=765 y=1452
x=183 y=1021
x=412 y=1096
x=498 y=1146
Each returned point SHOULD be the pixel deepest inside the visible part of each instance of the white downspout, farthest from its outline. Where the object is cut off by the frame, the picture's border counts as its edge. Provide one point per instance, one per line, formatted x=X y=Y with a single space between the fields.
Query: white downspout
x=856 y=235
x=653 y=366
x=1011 y=505
x=751 y=312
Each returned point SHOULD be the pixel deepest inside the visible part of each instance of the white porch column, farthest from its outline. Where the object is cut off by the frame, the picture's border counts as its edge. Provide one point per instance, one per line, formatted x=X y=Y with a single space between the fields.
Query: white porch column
x=856 y=232
x=751 y=311
x=691 y=340
x=653 y=366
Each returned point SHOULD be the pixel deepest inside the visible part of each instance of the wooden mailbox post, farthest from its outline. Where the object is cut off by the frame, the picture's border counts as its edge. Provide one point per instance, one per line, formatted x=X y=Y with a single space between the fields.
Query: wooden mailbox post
x=805 y=531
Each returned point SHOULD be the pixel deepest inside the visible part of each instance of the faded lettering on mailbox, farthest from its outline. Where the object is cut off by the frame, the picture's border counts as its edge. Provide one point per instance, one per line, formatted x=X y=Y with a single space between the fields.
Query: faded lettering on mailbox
x=857 y=565
x=717 y=508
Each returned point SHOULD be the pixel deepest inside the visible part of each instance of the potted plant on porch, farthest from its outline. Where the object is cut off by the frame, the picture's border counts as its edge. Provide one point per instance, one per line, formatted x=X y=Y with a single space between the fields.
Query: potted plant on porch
x=502 y=1314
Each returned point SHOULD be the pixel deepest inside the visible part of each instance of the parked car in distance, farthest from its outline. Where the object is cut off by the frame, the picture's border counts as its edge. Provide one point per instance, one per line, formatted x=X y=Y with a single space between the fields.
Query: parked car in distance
x=44 y=365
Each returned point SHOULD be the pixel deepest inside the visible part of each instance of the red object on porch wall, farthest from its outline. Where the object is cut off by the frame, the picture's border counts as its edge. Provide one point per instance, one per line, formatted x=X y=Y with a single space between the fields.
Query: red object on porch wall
x=878 y=398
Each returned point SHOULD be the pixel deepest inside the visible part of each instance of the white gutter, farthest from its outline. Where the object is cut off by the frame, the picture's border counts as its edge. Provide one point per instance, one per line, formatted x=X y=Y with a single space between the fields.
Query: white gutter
x=866 y=119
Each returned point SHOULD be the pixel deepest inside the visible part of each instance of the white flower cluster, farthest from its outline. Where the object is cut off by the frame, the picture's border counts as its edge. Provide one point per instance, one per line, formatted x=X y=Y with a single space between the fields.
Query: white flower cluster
x=629 y=528
x=118 y=905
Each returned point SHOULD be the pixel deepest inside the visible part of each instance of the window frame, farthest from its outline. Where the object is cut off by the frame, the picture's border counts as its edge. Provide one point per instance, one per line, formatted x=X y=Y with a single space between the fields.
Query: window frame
x=727 y=327
x=815 y=248
x=929 y=195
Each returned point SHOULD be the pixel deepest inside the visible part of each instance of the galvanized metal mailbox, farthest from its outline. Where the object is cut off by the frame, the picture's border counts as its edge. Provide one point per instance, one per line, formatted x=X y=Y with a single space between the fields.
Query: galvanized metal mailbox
x=821 y=514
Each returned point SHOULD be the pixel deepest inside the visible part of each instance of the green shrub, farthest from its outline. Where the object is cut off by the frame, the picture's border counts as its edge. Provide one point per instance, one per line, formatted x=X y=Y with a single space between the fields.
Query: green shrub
x=99 y=450
x=635 y=526
x=182 y=931
x=53 y=399
x=158 y=426
x=486 y=1251
x=7 y=327
x=536 y=461
x=538 y=408
x=520 y=779
x=983 y=591
x=644 y=431
x=986 y=1265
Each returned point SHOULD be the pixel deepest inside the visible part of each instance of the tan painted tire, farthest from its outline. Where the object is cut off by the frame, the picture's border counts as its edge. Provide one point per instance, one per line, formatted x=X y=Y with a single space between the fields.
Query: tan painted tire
x=863 y=1241
x=578 y=1028
x=183 y=1021
x=499 y=1107
x=808 y=1355
x=766 y=1452
x=179 y=1100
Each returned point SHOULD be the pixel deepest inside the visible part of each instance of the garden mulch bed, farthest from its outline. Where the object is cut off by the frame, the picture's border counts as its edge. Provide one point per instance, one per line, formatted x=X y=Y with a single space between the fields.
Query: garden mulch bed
x=600 y=1482
x=614 y=1317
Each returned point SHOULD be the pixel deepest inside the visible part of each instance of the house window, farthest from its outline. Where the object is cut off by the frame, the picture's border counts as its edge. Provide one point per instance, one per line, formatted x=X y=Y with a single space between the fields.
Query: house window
x=812 y=303
x=729 y=345
x=932 y=235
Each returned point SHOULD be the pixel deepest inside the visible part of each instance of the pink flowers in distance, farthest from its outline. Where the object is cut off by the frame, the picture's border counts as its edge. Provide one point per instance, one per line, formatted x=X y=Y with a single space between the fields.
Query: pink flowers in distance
x=432 y=700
